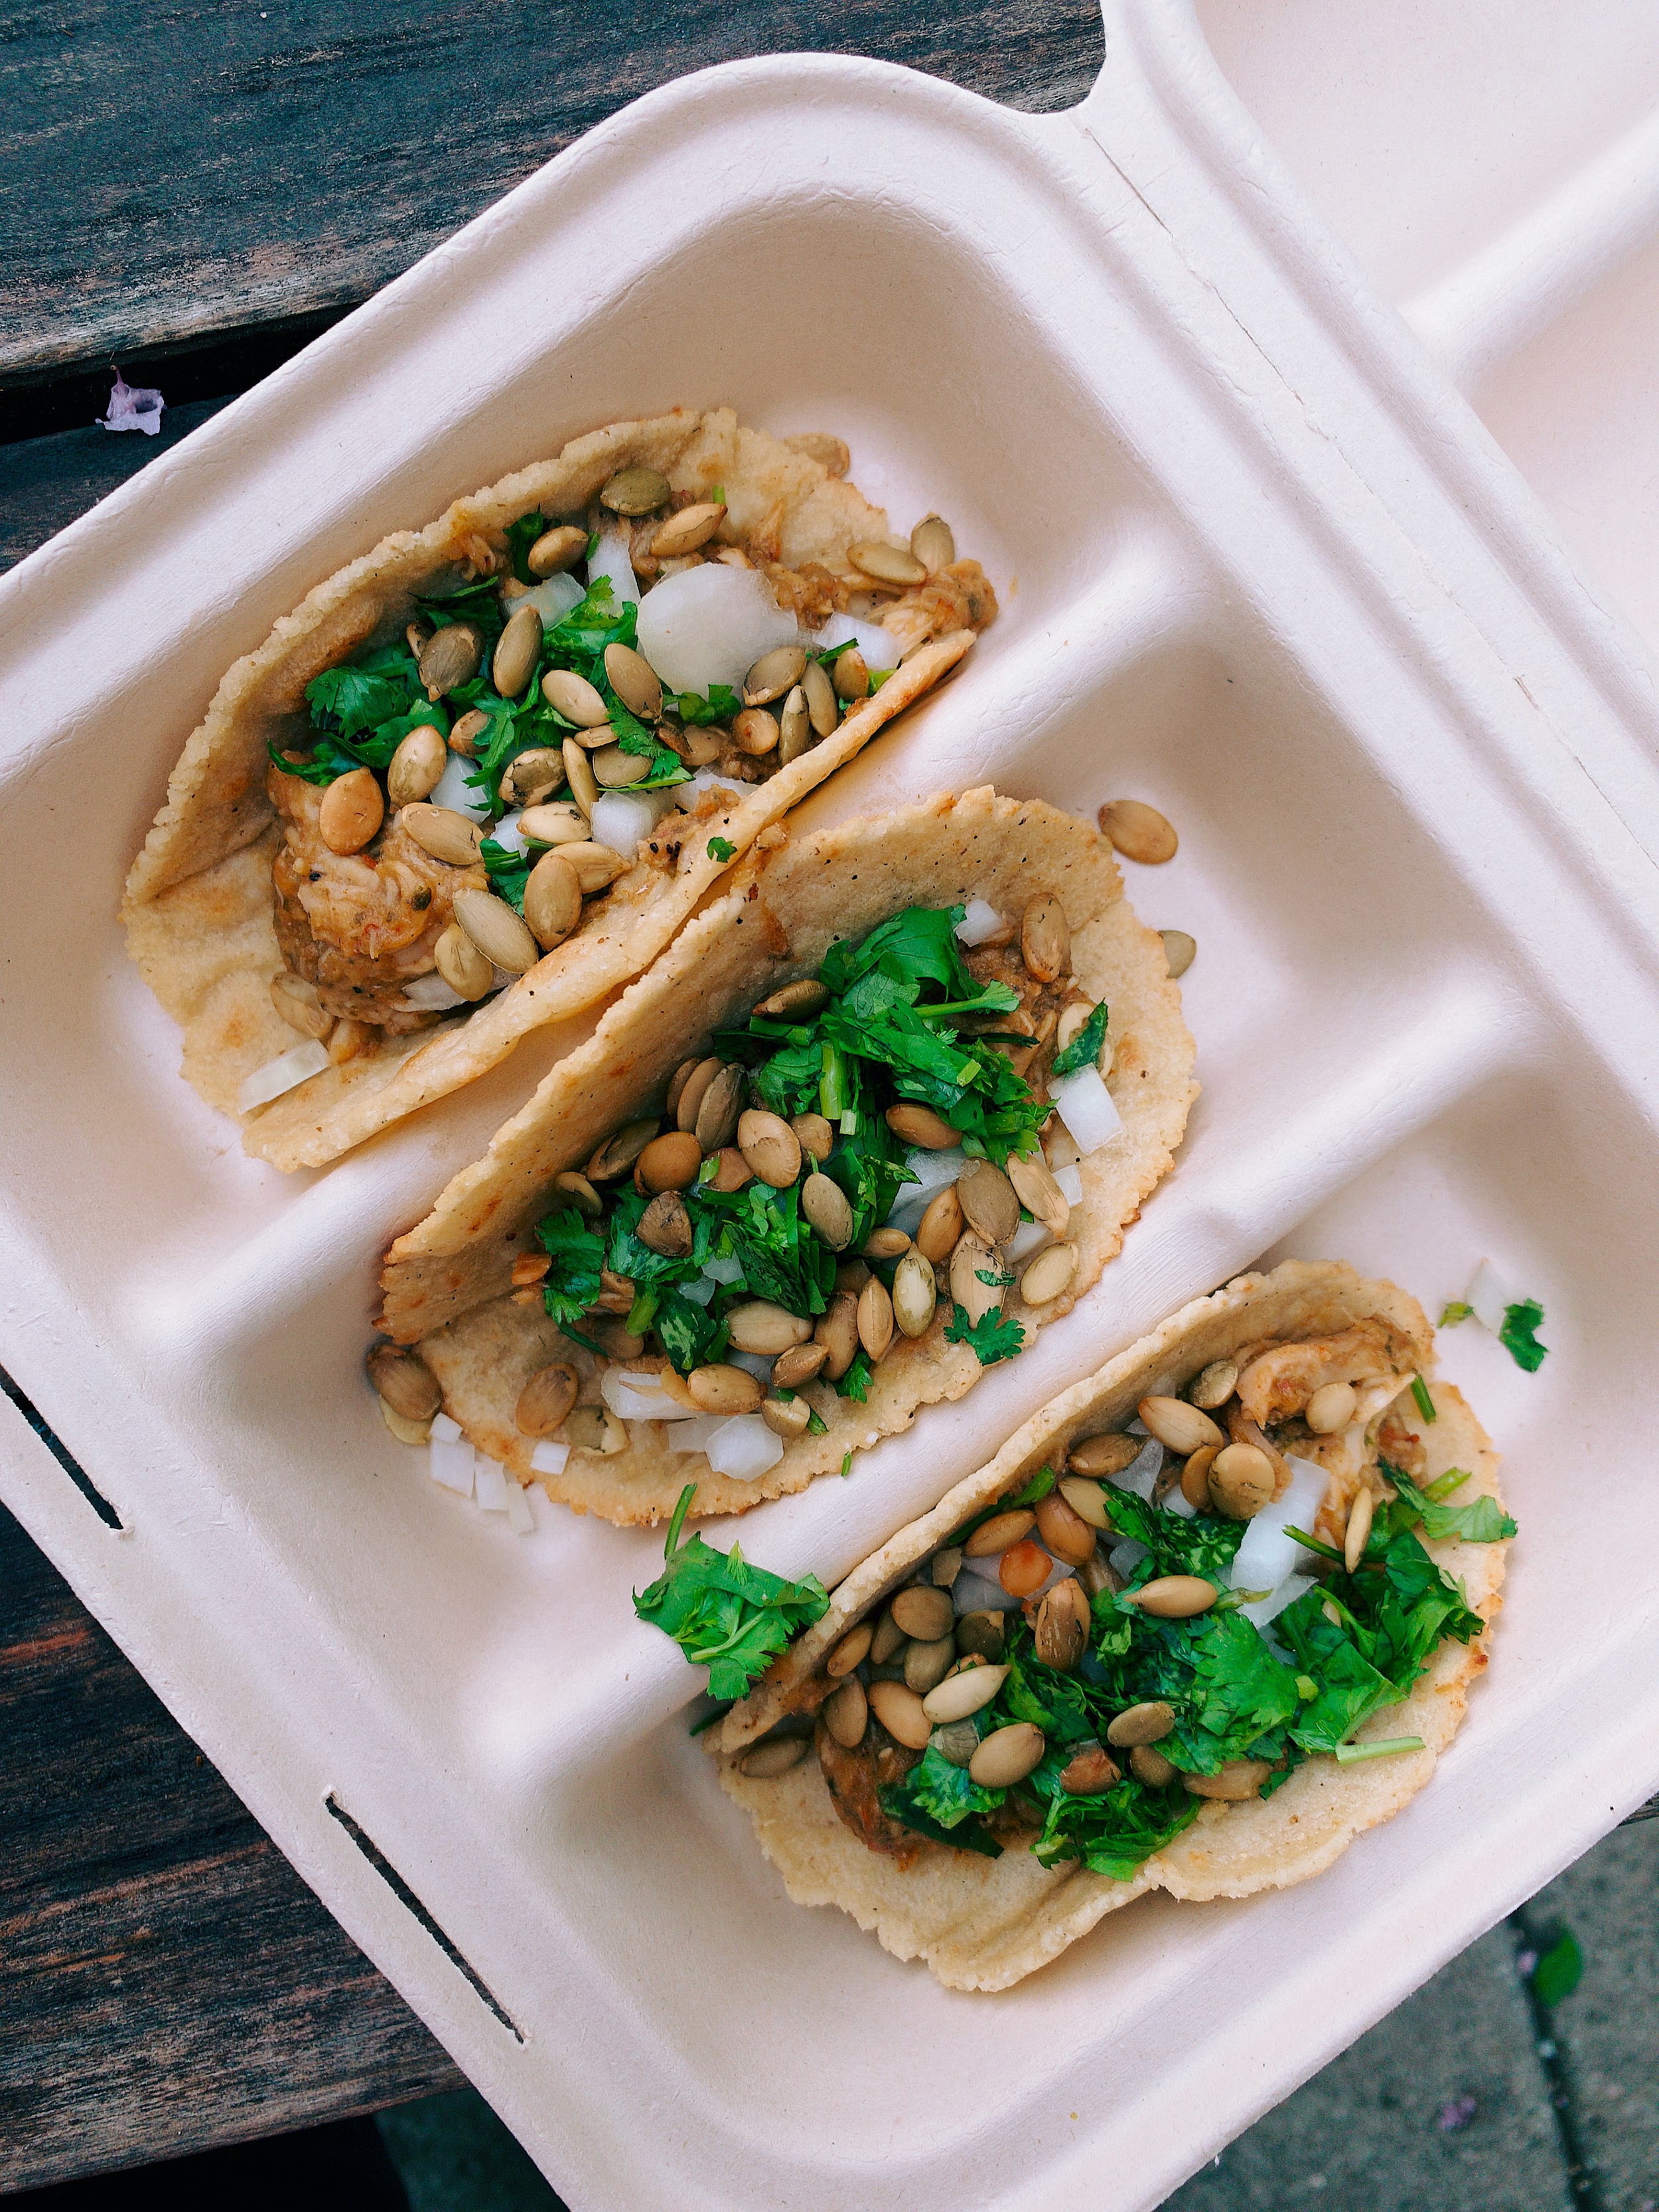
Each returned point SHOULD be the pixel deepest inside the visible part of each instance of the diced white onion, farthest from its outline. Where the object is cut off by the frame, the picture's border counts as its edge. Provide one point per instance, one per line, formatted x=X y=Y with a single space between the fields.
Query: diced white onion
x=453 y=1464
x=453 y=790
x=611 y=557
x=1029 y=1237
x=980 y=920
x=1127 y=1554
x=1060 y=1152
x=552 y=600
x=880 y=648
x=757 y=1364
x=296 y=1065
x=446 y=1430
x=724 y=1266
x=972 y=1592
x=933 y=1170
x=490 y=1479
x=1086 y=1106
x=637 y=1397
x=620 y=819
x=517 y=1509
x=431 y=994
x=1268 y=1555
x=693 y=1436
x=547 y=1458
x=1269 y=1607
x=1489 y=1297
x=699 y=1291
x=1071 y=1184
x=710 y=625
x=1143 y=1469
x=506 y=833
x=729 y=789
x=744 y=1447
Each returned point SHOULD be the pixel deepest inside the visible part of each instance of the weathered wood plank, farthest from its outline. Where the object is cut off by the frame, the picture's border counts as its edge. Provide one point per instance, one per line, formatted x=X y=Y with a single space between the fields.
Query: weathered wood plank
x=166 y=1980
x=190 y=168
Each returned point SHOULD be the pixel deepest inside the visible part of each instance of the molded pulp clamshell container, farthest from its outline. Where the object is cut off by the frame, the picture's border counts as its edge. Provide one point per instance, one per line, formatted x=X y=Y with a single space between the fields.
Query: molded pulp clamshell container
x=1261 y=567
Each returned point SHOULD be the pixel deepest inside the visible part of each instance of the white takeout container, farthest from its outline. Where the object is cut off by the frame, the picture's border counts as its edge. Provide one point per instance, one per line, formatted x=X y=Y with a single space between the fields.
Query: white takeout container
x=1260 y=567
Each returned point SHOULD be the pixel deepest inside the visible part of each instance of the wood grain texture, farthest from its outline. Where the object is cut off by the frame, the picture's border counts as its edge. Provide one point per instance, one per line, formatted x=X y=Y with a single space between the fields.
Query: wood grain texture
x=184 y=169
x=166 y=1980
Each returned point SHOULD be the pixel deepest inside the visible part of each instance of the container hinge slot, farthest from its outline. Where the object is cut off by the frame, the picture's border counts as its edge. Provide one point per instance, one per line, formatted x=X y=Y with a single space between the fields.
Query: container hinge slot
x=76 y=1473
x=406 y=1897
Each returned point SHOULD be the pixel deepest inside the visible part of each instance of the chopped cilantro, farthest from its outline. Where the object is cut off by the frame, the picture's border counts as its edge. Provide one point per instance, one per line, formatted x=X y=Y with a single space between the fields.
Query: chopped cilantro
x=1424 y=1403
x=846 y=1464
x=520 y=536
x=1084 y=1049
x=1482 y=1522
x=720 y=848
x=723 y=1613
x=721 y=704
x=1454 y=1311
x=993 y=1337
x=1519 y=1337
x=508 y=872
x=1350 y=1754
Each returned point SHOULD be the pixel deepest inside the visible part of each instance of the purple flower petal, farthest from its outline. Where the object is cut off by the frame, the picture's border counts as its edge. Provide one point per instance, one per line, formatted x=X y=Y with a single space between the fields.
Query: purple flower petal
x=133 y=408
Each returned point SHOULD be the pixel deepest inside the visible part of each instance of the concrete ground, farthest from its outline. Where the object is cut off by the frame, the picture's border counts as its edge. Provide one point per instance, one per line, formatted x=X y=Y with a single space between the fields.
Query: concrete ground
x=1478 y=2093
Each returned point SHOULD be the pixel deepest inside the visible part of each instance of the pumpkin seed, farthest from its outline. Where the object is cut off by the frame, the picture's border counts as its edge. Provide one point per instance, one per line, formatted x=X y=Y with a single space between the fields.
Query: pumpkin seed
x=635 y=491
x=1064 y=1530
x=669 y=1163
x=846 y=1715
x=731 y=1172
x=1007 y=1755
x=822 y=709
x=755 y=732
x=794 y=1369
x=982 y=1634
x=685 y=1100
x=926 y=1665
x=352 y=810
x=1239 y=1779
x=993 y=1537
x=665 y=1227
x=1331 y=1407
x=989 y=1205
x=875 y=1319
x=634 y=682
x=1073 y=1020
x=898 y=1708
x=923 y=1612
x=768 y=1760
x=1179 y=1427
x=552 y=900
x=1045 y=939
x=499 y=933
x=837 y=1330
x=885 y=1245
x=684 y=532
x=1215 y=1385
x=773 y=674
x=407 y=1432
x=1180 y=951
x=575 y=698
x=916 y=1295
x=1061 y=1627
x=761 y=1325
x=972 y=1259
x=546 y=1398
x=1049 y=1275
x=719 y=1108
x=956 y=1742
x=1359 y=1530
x=617 y=1154
x=724 y=1389
x=465 y=732
x=557 y=550
x=297 y=1002
x=795 y=1002
x=933 y=543
x=921 y=1126
x=1088 y=1772
x=442 y=833
x=820 y=446
x=1104 y=1454
x=794 y=728
x=596 y=865
x=772 y=1149
x=817 y=1137
x=348 y=1038
x=1173 y=1597
x=1140 y=832
x=1241 y=1481
x=826 y=1205
x=947 y=1565
x=416 y=765
x=940 y=1225
x=851 y=675
x=887 y=564
x=1152 y=1767
x=1149 y=1723
x=1086 y=1499
x=962 y=1694
x=533 y=776
x=787 y=1418
x=450 y=658
x=405 y=1382
x=888 y=1641
x=853 y=1648
x=584 y=791
x=462 y=967
x=614 y=769
x=517 y=651
x=1038 y=1192
x=576 y=1190
x=1195 y=1479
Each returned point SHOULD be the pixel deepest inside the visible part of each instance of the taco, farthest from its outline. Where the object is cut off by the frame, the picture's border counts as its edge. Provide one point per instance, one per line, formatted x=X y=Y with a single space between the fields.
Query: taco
x=480 y=776
x=1204 y=1619
x=807 y=1176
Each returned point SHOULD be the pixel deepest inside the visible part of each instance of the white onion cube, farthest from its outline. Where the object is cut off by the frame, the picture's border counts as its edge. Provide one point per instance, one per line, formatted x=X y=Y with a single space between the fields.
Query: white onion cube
x=744 y=1447
x=1489 y=1296
x=1268 y=1555
x=517 y=1509
x=980 y=920
x=1071 y=1184
x=453 y=1464
x=430 y=994
x=1086 y=1106
x=297 y=1065
x=489 y=1478
x=710 y=625
x=549 y=1458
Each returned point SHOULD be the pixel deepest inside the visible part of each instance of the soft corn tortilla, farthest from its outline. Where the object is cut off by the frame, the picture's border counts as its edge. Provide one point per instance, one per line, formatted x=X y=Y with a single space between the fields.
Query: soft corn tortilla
x=197 y=908
x=444 y=1281
x=983 y=1924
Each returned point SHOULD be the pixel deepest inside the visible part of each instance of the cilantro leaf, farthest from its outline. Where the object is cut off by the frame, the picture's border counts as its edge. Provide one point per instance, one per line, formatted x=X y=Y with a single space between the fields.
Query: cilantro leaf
x=520 y=536
x=899 y=1801
x=1483 y=1520
x=508 y=872
x=993 y=1337
x=721 y=705
x=725 y=1614
x=1084 y=1049
x=720 y=848
x=1454 y=1311
x=948 y=1792
x=571 y=1286
x=1519 y=1337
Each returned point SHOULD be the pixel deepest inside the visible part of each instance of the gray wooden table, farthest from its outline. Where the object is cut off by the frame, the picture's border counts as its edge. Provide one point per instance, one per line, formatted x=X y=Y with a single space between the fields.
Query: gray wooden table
x=192 y=190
